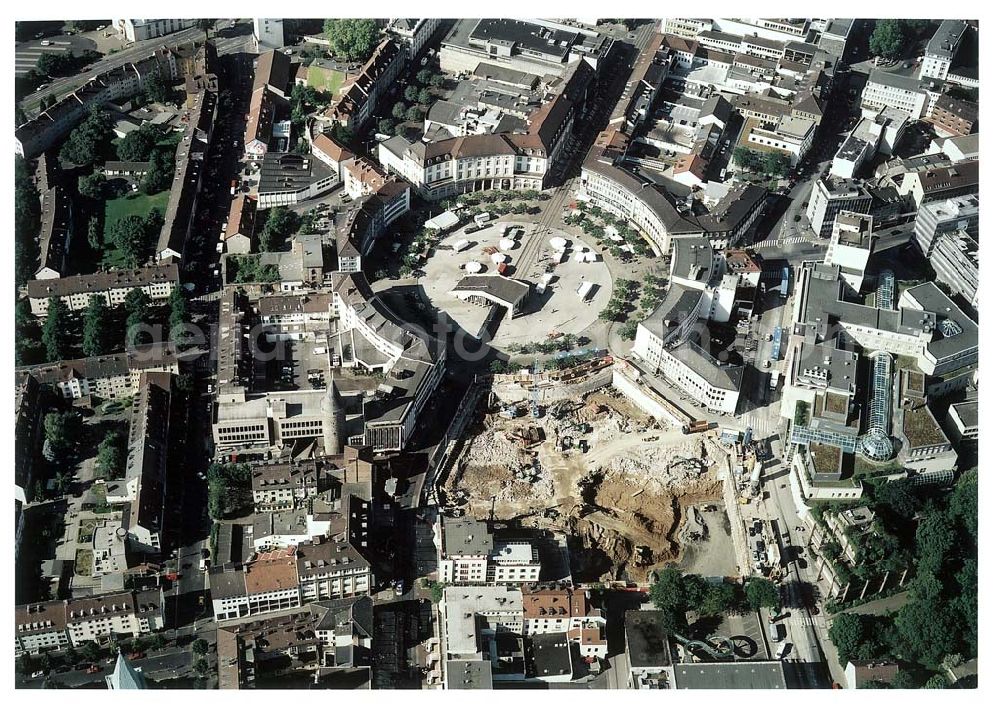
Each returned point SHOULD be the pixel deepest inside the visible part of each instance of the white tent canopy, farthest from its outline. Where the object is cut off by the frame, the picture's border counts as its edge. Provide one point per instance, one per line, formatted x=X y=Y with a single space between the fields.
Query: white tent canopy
x=498 y=258
x=473 y=267
x=443 y=221
x=558 y=243
x=506 y=244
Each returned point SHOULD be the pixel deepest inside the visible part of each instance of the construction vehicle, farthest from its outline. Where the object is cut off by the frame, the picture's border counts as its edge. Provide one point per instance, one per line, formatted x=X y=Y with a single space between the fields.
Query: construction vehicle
x=583 y=446
x=509 y=411
x=696 y=427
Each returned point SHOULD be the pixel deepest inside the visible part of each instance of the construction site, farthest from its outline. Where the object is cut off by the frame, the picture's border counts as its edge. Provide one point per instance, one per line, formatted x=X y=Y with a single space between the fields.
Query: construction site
x=624 y=488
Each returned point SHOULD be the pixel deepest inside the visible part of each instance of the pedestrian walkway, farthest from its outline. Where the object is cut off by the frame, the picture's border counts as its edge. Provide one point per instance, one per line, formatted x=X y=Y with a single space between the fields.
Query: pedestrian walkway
x=775 y=242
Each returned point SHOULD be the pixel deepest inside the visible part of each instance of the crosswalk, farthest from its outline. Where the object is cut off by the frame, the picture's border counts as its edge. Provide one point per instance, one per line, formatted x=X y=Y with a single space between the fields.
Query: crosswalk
x=760 y=422
x=802 y=622
x=774 y=242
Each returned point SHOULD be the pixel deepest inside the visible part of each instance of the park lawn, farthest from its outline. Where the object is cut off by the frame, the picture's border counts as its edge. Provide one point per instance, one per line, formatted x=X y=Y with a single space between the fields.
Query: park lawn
x=325 y=80
x=139 y=204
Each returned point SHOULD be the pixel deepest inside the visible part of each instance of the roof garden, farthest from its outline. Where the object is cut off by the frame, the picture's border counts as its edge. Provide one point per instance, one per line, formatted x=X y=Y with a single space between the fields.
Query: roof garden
x=825 y=459
x=921 y=429
x=835 y=403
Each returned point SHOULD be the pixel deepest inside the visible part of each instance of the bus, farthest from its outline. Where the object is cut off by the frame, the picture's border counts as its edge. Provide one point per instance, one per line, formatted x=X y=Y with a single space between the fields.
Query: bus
x=784 y=282
x=776 y=346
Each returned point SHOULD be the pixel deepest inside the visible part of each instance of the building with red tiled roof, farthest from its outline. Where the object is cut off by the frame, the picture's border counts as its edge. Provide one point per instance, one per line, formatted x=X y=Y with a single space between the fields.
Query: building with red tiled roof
x=239 y=231
x=331 y=152
x=555 y=608
x=55 y=625
x=376 y=76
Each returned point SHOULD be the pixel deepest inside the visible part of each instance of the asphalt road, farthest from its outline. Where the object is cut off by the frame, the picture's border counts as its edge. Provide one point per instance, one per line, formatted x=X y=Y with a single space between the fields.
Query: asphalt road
x=137 y=51
x=64 y=86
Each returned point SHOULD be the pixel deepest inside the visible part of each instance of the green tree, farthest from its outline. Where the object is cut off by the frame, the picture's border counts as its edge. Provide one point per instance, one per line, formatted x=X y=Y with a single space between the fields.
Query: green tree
x=411 y=93
x=669 y=595
x=26 y=203
x=161 y=172
x=424 y=76
x=228 y=489
x=352 y=39
x=281 y=223
x=342 y=135
x=62 y=428
x=935 y=538
x=82 y=147
x=129 y=236
x=887 y=39
x=775 y=164
x=137 y=313
x=91 y=186
x=201 y=667
x=847 y=632
x=111 y=456
x=386 y=126
x=200 y=646
x=896 y=497
x=903 y=679
x=156 y=88
x=746 y=158
x=95 y=238
x=937 y=681
x=54 y=64
x=437 y=591
x=27 y=335
x=761 y=593
x=399 y=111
x=628 y=331
x=437 y=81
x=56 y=331
x=137 y=146
x=963 y=505
x=425 y=97
x=718 y=598
x=178 y=307
x=97 y=336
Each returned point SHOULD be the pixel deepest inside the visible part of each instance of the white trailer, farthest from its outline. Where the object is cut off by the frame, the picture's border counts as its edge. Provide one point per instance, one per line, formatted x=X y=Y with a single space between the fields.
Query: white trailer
x=460 y=245
x=543 y=283
x=584 y=291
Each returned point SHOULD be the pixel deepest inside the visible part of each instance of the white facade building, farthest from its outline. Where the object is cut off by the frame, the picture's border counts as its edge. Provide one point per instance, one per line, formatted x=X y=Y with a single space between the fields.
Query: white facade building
x=941 y=49
x=895 y=91
x=268 y=33
x=138 y=30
